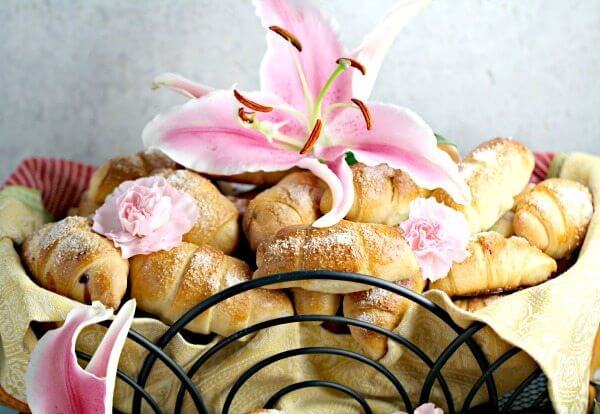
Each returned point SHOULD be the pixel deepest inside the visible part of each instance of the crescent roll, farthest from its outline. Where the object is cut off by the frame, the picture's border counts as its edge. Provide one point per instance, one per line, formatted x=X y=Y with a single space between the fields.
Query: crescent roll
x=169 y=283
x=294 y=200
x=554 y=216
x=382 y=308
x=371 y=249
x=308 y=302
x=496 y=264
x=68 y=258
x=496 y=171
x=130 y=167
x=381 y=195
x=217 y=224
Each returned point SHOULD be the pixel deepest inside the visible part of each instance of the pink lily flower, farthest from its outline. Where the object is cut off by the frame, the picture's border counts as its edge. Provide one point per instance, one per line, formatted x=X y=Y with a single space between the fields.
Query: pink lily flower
x=54 y=381
x=311 y=112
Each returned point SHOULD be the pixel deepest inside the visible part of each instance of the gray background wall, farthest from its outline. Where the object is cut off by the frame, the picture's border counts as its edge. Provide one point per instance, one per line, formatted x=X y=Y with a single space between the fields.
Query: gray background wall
x=75 y=75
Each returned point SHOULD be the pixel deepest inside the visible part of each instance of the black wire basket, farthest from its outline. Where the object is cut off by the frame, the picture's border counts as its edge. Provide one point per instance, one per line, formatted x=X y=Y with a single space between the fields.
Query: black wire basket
x=530 y=396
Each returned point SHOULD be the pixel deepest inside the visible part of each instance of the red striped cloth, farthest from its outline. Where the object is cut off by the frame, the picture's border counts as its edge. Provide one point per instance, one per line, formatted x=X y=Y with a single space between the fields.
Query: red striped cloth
x=62 y=182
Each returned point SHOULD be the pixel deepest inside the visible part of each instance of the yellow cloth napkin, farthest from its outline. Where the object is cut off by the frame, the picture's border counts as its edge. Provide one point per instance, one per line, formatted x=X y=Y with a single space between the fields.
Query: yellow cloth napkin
x=554 y=323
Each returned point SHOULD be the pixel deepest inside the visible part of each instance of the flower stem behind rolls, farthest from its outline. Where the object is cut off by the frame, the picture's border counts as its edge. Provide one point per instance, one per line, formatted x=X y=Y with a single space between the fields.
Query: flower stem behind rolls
x=554 y=216
x=371 y=249
x=496 y=171
x=68 y=258
x=294 y=200
x=381 y=195
x=496 y=264
x=169 y=283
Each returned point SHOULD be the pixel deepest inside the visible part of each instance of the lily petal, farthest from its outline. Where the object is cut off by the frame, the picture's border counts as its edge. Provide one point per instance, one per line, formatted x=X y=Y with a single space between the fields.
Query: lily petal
x=180 y=85
x=205 y=135
x=320 y=50
x=376 y=44
x=54 y=380
x=338 y=176
x=401 y=139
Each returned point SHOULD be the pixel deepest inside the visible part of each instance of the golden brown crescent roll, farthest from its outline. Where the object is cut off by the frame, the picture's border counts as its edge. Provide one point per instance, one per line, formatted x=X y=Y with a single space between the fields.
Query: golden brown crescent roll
x=476 y=303
x=496 y=264
x=382 y=308
x=371 y=249
x=382 y=195
x=554 y=216
x=504 y=225
x=294 y=200
x=217 y=224
x=496 y=171
x=119 y=169
x=307 y=302
x=68 y=258
x=169 y=283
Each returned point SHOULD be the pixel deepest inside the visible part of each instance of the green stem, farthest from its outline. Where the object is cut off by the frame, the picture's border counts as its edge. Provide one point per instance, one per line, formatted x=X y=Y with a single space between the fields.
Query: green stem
x=316 y=114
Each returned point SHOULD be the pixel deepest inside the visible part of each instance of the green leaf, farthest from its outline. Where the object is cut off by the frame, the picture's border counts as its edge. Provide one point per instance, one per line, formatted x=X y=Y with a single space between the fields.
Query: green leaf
x=350 y=159
x=442 y=140
x=28 y=196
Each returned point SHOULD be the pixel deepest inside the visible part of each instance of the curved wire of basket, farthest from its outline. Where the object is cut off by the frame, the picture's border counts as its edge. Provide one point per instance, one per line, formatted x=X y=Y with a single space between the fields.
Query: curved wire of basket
x=463 y=336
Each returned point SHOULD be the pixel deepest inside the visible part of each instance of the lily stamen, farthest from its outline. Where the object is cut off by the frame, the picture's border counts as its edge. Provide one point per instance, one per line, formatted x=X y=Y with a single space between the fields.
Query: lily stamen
x=354 y=63
x=287 y=36
x=365 y=111
x=314 y=136
x=245 y=116
x=251 y=104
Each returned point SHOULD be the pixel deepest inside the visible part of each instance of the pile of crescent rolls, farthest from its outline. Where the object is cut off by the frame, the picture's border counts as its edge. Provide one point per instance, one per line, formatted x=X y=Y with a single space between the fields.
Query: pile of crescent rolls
x=519 y=232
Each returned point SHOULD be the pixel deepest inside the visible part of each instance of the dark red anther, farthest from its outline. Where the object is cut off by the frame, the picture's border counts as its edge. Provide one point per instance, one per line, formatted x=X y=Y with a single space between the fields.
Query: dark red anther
x=354 y=63
x=365 y=111
x=251 y=104
x=287 y=36
x=312 y=139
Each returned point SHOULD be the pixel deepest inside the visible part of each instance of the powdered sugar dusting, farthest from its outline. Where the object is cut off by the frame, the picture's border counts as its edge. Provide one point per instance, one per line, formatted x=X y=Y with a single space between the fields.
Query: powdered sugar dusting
x=60 y=229
x=485 y=155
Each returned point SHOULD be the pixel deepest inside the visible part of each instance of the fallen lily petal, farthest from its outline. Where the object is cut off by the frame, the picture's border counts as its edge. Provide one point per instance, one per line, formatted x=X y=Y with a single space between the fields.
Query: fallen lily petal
x=54 y=381
x=307 y=114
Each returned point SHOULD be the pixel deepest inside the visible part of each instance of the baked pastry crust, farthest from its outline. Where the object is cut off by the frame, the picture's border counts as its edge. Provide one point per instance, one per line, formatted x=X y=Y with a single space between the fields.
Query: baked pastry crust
x=371 y=249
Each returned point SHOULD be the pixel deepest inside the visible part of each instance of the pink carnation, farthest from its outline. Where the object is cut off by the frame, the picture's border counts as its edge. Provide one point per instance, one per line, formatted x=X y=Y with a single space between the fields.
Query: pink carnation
x=438 y=235
x=145 y=216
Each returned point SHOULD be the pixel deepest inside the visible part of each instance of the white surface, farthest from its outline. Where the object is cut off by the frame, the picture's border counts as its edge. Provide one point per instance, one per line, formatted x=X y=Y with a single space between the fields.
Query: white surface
x=75 y=75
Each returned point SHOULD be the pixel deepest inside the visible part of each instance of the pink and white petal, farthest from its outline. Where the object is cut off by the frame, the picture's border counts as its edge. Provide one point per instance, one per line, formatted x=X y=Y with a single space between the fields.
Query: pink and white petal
x=401 y=139
x=320 y=50
x=338 y=176
x=54 y=381
x=205 y=135
x=105 y=360
x=376 y=44
x=180 y=85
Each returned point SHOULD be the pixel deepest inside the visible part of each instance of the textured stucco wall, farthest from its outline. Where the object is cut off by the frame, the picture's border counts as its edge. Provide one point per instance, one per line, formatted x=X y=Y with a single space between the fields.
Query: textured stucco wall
x=75 y=75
